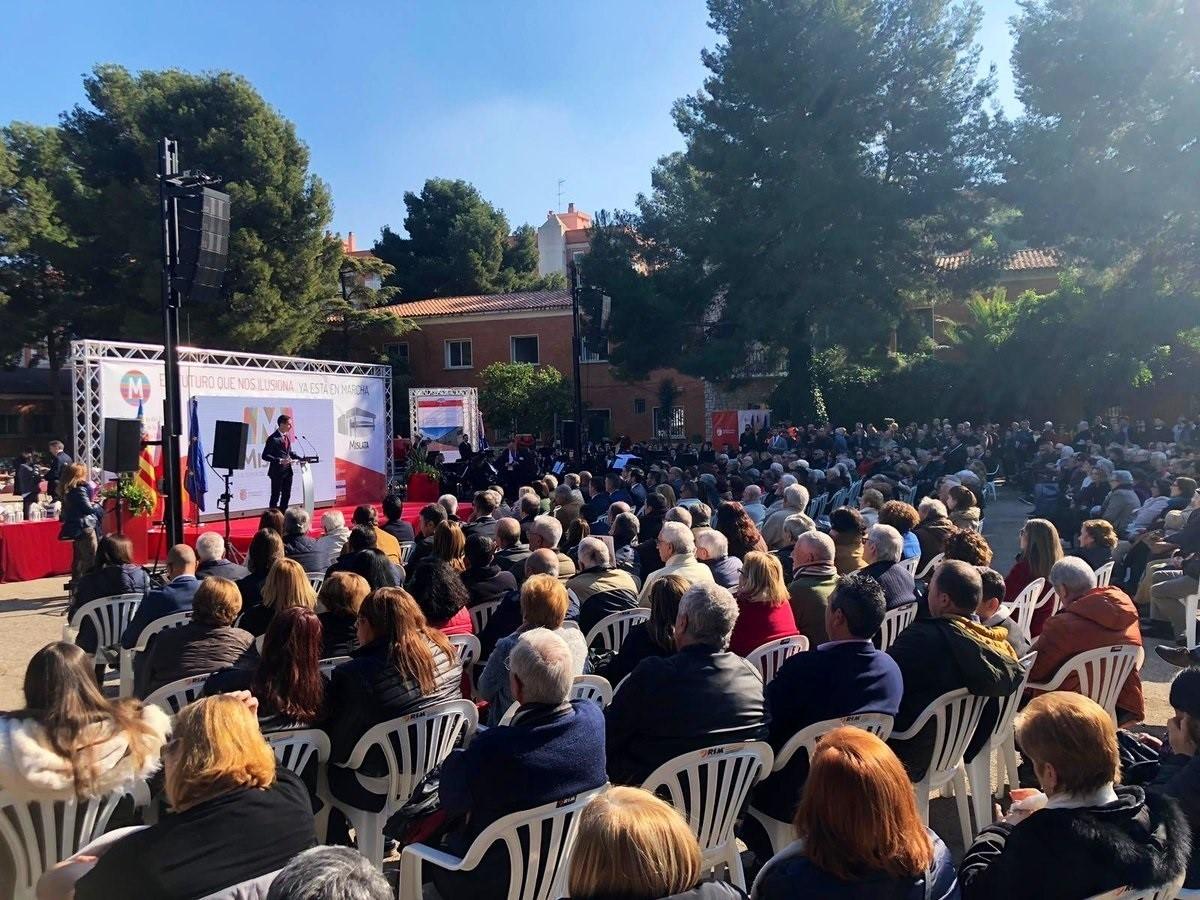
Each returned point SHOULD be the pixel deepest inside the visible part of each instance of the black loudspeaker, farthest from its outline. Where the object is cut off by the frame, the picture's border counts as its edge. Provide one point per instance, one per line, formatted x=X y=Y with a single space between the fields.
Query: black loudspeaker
x=203 y=243
x=122 y=445
x=229 y=445
x=567 y=432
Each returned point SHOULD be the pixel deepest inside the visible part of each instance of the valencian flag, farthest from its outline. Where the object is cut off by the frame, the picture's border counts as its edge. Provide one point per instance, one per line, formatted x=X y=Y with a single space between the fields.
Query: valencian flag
x=196 y=479
x=147 y=472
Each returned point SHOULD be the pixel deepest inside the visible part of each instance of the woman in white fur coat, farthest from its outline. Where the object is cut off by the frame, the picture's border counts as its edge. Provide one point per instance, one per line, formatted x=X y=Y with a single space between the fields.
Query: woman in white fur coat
x=71 y=741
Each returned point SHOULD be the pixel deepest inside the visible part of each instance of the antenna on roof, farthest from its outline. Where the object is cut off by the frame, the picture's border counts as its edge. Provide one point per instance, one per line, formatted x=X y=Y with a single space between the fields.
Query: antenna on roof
x=561 y=182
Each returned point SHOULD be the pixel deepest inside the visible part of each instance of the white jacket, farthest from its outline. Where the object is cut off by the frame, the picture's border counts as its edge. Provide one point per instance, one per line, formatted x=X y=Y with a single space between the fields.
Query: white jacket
x=31 y=769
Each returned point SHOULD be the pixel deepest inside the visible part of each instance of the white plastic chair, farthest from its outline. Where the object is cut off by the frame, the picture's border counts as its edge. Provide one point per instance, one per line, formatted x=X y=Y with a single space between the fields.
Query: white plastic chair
x=771 y=655
x=406 y=549
x=538 y=841
x=294 y=750
x=1002 y=740
x=468 y=648
x=894 y=622
x=316 y=579
x=412 y=746
x=39 y=835
x=780 y=834
x=955 y=716
x=614 y=628
x=175 y=620
x=584 y=687
x=911 y=564
x=110 y=616
x=1102 y=674
x=709 y=787
x=1104 y=574
x=173 y=697
x=481 y=613
x=926 y=573
x=1027 y=602
x=329 y=663
x=856 y=490
x=838 y=500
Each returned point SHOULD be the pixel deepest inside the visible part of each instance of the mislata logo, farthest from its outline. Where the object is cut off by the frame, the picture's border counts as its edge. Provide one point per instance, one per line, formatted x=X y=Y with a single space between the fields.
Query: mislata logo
x=135 y=387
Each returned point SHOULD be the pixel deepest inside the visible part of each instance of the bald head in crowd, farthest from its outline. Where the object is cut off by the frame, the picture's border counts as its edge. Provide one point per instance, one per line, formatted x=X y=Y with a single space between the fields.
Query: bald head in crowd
x=508 y=533
x=542 y=562
x=181 y=560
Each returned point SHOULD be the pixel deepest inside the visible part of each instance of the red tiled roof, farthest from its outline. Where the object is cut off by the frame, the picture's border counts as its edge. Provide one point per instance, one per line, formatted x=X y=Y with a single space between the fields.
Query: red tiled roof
x=1020 y=261
x=488 y=303
x=573 y=220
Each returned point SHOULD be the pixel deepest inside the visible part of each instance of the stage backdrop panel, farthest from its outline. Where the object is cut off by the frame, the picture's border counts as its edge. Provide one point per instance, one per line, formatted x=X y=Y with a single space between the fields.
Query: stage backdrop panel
x=314 y=422
x=444 y=416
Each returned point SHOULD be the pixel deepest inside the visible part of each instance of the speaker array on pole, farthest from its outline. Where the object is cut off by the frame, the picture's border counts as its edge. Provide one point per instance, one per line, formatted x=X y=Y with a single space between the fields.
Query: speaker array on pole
x=122 y=445
x=203 y=243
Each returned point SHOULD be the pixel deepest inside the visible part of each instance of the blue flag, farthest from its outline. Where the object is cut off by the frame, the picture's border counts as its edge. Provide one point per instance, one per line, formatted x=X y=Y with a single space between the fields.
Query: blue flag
x=196 y=480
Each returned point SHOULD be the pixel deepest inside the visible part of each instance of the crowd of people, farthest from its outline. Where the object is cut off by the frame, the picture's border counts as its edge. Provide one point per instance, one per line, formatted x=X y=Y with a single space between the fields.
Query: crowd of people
x=726 y=551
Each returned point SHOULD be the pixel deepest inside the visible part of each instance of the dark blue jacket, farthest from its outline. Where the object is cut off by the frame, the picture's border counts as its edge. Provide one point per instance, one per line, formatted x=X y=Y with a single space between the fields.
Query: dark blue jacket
x=304 y=550
x=79 y=514
x=274 y=453
x=221 y=568
x=173 y=597
x=596 y=507
x=828 y=682
x=899 y=587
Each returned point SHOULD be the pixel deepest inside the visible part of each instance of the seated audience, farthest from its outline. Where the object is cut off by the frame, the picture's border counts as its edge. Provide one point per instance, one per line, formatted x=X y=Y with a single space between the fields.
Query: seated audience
x=839 y=677
x=882 y=550
x=933 y=529
x=210 y=552
x=625 y=540
x=869 y=505
x=1091 y=618
x=285 y=679
x=543 y=605
x=173 y=597
x=511 y=550
x=764 y=612
x=847 y=528
x=299 y=546
x=599 y=588
x=340 y=597
x=963 y=508
x=393 y=520
x=362 y=557
x=206 y=644
x=992 y=614
x=485 y=580
x=858 y=833
x=114 y=573
x=70 y=740
x=904 y=519
x=635 y=846
x=234 y=816
x=700 y=696
x=753 y=505
x=795 y=503
x=428 y=520
x=266 y=548
x=386 y=542
x=712 y=549
x=677 y=549
x=545 y=533
x=968 y=655
x=553 y=749
x=442 y=596
x=970 y=547
x=1040 y=550
x=334 y=534
x=814 y=576
x=739 y=529
x=483 y=520
x=655 y=636
x=330 y=873
x=272 y=520
x=1096 y=542
x=1092 y=835
x=287 y=585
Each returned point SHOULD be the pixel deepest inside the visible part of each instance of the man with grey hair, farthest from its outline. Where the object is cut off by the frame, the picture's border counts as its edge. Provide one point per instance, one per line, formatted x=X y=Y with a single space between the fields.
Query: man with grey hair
x=752 y=503
x=552 y=749
x=544 y=534
x=210 y=551
x=298 y=545
x=882 y=548
x=712 y=549
x=511 y=552
x=795 y=501
x=600 y=588
x=814 y=576
x=1091 y=617
x=701 y=696
x=677 y=549
x=449 y=503
x=330 y=873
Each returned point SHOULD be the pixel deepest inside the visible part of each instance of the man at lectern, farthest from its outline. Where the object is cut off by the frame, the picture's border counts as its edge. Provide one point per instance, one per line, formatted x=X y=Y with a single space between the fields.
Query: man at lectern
x=278 y=453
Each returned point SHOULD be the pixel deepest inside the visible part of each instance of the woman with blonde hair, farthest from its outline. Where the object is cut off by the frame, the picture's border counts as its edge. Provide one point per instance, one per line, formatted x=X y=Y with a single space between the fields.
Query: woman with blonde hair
x=858 y=831
x=235 y=816
x=1040 y=550
x=634 y=846
x=450 y=545
x=287 y=585
x=764 y=605
x=81 y=520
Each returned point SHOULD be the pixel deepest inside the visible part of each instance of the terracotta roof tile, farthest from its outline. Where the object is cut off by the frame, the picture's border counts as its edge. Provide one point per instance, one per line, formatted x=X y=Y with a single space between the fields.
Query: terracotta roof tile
x=1020 y=261
x=488 y=303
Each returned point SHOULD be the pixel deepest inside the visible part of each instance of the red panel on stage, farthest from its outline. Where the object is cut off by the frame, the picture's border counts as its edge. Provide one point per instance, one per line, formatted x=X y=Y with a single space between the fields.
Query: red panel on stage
x=30 y=550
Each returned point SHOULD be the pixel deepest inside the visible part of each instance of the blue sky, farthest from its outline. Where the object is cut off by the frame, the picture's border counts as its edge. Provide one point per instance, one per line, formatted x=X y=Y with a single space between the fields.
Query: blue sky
x=510 y=96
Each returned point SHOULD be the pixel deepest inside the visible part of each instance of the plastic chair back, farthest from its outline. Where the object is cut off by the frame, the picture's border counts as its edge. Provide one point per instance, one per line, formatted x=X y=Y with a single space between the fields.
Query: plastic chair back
x=316 y=579
x=955 y=715
x=175 y=620
x=612 y=630
x=468 y=648
x=911 y=564
x=294 y=750
x=480 y=613
x=1102 y=674
x=406 y=549
x=584 y=687
x=894 y=622
x=173 y=697
x=110 y=616
x=1104 y=574
x=1026 y=602
x=927 y=573
x=771 y=655
x=879 y=724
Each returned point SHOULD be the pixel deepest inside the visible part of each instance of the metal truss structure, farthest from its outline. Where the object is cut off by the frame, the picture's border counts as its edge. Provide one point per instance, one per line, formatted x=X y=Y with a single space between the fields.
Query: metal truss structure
x=86 y=356
x=470 y=399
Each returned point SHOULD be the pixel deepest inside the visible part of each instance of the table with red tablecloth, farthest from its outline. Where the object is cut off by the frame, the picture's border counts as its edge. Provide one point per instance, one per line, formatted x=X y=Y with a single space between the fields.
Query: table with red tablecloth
x=30 y=550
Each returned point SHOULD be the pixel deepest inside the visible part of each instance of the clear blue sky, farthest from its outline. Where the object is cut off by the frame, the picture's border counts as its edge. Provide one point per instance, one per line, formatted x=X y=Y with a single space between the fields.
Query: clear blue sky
x=510 y=96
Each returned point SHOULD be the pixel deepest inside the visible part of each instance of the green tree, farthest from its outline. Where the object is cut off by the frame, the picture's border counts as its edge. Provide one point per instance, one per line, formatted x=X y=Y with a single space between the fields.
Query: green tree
x=521 y=397
x=826 y=160
x=459 y=244
x=358 y=323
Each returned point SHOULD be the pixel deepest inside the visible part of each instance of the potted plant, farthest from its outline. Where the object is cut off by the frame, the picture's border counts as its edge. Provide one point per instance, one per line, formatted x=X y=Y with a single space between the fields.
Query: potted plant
x=134 y=497
x=424 y=481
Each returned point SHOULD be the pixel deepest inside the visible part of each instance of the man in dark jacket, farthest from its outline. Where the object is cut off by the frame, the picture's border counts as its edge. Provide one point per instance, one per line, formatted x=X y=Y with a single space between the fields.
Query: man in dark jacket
x=59 y=460
x=482 y=522
x=552 y=750
x=712 y=549
x=882 y=550
x=173 y=597
x=277 y=453
x=946 y=652
x=485 y=580
x=701 y=696
x=430 y=517
x=511 y=552
x=600 y=589
x=210 y=551
x=393 y=513
x=298 y=545
x=844 y=676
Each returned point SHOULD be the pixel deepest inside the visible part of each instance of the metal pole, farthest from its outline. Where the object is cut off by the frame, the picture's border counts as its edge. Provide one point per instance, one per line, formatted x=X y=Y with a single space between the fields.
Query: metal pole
x=577 y=351
x=168 y=167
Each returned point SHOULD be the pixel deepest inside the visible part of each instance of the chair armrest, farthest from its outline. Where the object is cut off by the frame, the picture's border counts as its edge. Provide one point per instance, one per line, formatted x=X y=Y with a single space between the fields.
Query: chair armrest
x=441 y=858
x=915 y=728
x=411 y=860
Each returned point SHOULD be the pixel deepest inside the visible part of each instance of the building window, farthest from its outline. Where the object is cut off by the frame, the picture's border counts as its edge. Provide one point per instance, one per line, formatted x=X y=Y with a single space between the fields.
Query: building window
x=524 y=348
x=588 y=355
x=576 y=256
x=397 y=352
x=10 y=424
x=669 y=427
x=458 y=354
x=639 y=406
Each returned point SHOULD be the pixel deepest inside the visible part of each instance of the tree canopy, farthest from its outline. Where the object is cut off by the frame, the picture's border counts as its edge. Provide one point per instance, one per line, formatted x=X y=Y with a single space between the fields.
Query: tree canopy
x=523 y=395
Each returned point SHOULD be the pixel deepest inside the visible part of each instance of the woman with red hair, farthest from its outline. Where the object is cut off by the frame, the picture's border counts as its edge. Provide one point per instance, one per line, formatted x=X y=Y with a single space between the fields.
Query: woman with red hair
x=858 y=832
